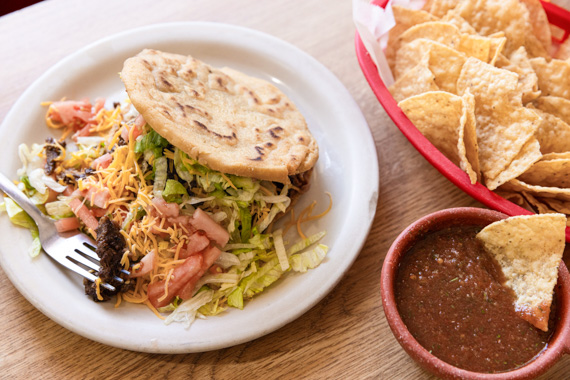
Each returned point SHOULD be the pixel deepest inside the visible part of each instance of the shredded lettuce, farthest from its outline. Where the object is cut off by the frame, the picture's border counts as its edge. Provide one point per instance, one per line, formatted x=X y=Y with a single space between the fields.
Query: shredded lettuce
x=306 y=243
x=186 y=311
x=28 y=187
x=160 y=166
x=170 y=307
x=19 y=217
x=151 y=141
x=235 y=299
x=59 y=209
x=245 y=218
x=181 y=170
x=174 y=191
x=265 y=276
x=280 y=250
x=301 y=262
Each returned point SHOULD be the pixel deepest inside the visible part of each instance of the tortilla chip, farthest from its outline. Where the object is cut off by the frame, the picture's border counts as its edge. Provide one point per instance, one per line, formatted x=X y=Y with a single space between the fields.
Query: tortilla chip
x=475 y=46
x=539 y=22
x=555 y=156
x=454 y=18
x=490 y=16
x=529 y=154
x=553 y=77
x=529 y=250
x=449 y=35
x=405 y=18
x=469 y=138
x=534 y=47
x=438 y=31
x=519 y=63
x=515 y=197
x=553 y=134
x=439 y=8
x=444 y=62
x=503 y=125
x=558 y=205
x=486 y=81
x=415 y=81
x=554 y=105
x=563 y=52
x=441 y=118
x=498 y=41
x=549 y=173
x=538 y=191
x=538 y=205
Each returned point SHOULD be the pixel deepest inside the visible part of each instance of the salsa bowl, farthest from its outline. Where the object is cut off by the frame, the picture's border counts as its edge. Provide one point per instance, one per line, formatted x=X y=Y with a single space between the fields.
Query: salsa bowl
x=559 y=342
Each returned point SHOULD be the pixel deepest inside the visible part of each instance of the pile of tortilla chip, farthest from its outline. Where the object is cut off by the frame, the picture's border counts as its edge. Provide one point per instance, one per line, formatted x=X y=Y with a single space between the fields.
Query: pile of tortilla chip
x=482 y=80
x=528 y=249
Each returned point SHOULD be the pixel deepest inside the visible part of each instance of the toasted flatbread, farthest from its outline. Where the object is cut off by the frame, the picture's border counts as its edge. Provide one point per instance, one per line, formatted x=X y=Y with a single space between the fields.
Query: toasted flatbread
x=225 y=119
x=529 y=249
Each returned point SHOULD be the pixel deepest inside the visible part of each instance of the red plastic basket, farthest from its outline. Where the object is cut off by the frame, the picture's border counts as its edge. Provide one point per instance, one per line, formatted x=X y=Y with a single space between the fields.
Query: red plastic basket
x=556 y=16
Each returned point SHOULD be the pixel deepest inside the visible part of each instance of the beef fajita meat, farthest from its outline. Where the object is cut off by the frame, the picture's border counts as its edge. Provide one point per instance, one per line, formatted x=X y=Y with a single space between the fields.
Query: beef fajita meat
x=110 y=249
x=70 y=176
x=53 y=152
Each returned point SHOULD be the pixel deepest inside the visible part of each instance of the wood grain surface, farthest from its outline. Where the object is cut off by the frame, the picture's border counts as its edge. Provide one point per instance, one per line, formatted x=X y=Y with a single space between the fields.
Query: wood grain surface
x=344 y=336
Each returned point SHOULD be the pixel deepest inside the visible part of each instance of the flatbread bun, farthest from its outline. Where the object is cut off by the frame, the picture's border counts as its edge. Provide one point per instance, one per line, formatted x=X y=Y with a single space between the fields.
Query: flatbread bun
x=529 y=249
x=228 y=121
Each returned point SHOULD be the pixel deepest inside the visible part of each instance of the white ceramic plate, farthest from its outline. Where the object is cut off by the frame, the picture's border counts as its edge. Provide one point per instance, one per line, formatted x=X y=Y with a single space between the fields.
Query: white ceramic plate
x=347 y=168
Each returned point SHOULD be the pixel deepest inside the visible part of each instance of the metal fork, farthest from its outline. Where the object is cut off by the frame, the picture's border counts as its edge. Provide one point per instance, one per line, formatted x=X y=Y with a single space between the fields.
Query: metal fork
x=74 y=250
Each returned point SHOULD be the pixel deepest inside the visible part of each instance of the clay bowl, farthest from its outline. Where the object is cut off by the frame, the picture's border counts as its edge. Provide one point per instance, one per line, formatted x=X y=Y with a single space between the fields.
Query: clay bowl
x=558 y=345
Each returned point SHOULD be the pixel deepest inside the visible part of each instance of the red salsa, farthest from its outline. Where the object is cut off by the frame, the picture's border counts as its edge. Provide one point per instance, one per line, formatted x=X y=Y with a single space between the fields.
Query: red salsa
x=450 y=295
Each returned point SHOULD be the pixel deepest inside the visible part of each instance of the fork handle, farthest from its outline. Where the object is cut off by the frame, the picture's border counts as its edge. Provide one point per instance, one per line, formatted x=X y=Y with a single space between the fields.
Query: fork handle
x=24 y=202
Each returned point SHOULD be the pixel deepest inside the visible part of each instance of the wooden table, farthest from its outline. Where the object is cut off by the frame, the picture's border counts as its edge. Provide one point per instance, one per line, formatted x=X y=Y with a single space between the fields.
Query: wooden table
x=346 y=334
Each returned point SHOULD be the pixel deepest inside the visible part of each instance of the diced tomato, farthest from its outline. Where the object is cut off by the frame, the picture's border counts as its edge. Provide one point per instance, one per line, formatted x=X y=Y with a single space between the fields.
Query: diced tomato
x=215 y=269
x=68 y=111
x=201 y=221
x=180 y=276
x=187 y=290
x=137 y=129
x=97 y=196
x=83 y=213
x=84 y=131
x=181 y=219
x=67 y=224
x=140 y=122
x=210 y=255
x=102 y=162
x=197 y=242
x=145 y=265
x=164 y=208
x=98 y=212
x=137 y=132
x=125 y=133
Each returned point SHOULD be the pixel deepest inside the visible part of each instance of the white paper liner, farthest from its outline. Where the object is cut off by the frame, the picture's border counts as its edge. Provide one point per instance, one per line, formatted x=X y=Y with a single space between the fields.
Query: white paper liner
x=373 y=24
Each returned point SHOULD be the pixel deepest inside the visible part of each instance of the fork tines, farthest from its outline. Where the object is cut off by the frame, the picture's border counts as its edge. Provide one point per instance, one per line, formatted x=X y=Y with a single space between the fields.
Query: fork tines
x=87 y=259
